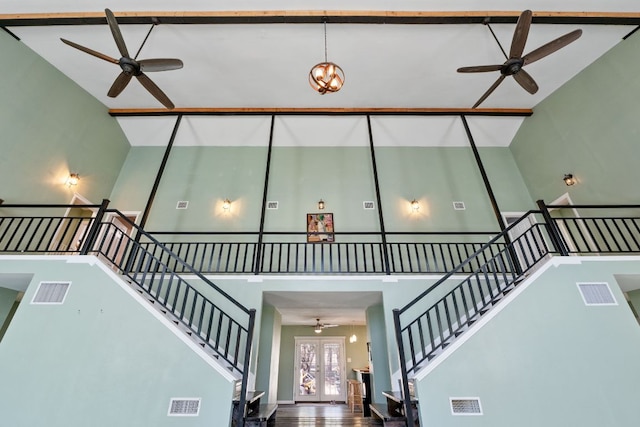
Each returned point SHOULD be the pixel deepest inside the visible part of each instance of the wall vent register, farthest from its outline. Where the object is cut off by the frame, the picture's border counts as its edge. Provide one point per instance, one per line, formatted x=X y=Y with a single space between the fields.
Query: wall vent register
x=272 y=205
x=184 y=407
x=182 y=204
x=368 y=205
x=51 y=293
x=596 y=294
x=459 y=206
x=465 y=406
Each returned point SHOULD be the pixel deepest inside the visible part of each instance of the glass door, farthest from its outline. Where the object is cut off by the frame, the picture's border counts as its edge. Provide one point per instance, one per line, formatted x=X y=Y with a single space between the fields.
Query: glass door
x=319 y=369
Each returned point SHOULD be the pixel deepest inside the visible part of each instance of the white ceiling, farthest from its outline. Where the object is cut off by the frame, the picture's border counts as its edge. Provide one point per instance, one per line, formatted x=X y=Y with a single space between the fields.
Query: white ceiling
x=267 y=65
x=340 y=308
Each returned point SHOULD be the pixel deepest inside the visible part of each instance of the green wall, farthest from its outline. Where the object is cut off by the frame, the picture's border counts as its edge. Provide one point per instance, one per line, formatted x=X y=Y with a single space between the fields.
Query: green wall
x=55 y=127
x=299 y=177
x=101 y=358
x=589 y=127
x=546 y=359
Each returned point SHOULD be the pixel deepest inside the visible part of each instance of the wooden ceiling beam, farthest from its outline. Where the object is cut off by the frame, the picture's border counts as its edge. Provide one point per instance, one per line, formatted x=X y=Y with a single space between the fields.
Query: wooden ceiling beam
x=140 y=112
x=317 y=16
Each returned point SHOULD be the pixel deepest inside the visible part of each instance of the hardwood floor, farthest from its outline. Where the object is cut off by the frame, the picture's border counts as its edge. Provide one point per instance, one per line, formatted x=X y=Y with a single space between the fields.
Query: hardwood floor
x=321 y=415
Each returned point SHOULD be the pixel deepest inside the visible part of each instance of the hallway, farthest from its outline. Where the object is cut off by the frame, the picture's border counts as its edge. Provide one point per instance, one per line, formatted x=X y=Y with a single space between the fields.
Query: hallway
x=321 y=415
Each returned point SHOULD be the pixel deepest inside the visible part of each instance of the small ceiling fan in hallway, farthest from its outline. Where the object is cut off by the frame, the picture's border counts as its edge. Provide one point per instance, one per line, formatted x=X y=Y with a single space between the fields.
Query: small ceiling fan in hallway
x=515 y=61
x=131 y=67
x=320 y=326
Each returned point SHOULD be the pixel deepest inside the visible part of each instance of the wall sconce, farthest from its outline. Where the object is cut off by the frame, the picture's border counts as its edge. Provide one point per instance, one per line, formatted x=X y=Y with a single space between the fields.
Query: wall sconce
x=73 y=179
x=226 y=205
x=415 y=205
x=569 y=179
x=321 y=204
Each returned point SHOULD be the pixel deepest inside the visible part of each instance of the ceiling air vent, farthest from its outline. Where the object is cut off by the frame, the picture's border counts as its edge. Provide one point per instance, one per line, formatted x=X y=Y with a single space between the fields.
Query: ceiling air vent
x=272 y=205
x=596 y=294
x=51 y=293
x=184 y=407
x=182 y=204
x=465 y=406
x=459 y=206
x=368 y=205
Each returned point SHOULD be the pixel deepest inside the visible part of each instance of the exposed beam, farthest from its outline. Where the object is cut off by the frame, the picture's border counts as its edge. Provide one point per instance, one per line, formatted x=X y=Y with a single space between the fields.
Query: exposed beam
x=317 y=16
x=124 y=112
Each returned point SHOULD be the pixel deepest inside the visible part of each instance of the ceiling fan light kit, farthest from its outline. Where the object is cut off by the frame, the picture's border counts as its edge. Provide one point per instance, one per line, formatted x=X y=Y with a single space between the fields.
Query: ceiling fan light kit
x=131 y=67
x=515 y=61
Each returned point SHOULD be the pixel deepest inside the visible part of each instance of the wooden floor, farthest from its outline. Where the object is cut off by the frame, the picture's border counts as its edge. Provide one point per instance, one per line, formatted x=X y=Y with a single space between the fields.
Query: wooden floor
x=321 y=415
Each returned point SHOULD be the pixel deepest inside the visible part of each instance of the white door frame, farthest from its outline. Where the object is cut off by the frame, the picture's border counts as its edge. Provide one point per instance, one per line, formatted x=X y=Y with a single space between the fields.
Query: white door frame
x=565 y=200
x=320 y=395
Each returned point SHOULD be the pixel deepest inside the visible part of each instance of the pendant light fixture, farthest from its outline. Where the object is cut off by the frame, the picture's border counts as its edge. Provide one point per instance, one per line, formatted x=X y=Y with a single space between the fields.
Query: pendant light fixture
x=326 y=76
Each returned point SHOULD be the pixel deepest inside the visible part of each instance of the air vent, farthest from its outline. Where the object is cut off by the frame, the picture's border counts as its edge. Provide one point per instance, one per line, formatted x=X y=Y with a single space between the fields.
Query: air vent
x=182 y=204
x=368 y=205
x=184 y=407
x=272 y=205
x=459 y=206
x=51 y=293
x=596 y=294
x=465 y=406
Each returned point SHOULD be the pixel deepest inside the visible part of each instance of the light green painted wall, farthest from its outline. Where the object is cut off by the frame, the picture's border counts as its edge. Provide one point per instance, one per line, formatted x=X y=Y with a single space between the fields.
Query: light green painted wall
x=356 y=351
x=380 y=366
x=100 y=358
x=588 y=127
x=546 y=359
x=437 y=177
x=299 y=177
x=269 y=353
x=55 y=127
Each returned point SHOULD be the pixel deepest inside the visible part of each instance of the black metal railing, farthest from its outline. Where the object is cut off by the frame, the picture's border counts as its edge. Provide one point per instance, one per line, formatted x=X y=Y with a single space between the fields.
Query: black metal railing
x=355 y=253
x=225 y=326
x=455 y=305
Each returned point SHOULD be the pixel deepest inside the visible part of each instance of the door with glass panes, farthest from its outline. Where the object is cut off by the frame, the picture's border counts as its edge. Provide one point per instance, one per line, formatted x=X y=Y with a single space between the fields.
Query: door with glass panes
x=319 y=370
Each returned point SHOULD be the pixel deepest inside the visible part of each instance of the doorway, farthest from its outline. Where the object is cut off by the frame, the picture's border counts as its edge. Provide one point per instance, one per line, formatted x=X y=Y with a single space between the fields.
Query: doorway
x=529 y=247
x=319 y=369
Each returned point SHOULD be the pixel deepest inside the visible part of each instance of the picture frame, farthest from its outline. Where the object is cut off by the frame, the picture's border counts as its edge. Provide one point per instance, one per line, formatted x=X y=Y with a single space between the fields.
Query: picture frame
x=320 y=228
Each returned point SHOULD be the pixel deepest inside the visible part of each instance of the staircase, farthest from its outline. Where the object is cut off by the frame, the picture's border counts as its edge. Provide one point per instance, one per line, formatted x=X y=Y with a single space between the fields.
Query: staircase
x=423 y=335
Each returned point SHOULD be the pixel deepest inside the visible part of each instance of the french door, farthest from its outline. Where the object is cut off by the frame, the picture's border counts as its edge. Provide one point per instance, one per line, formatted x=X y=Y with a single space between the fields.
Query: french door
x=319 y=370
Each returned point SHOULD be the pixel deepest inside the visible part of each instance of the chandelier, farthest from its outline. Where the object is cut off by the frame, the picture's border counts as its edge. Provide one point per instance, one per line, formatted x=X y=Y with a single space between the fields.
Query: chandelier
x=326 y=76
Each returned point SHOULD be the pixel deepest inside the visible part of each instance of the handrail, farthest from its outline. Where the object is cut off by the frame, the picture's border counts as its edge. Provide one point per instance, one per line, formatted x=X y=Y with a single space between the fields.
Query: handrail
x=230 y=339
x=466 y=262
x=453 y=313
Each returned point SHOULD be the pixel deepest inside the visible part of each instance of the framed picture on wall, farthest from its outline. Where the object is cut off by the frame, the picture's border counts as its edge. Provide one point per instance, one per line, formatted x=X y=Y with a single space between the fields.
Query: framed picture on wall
x=320 y=228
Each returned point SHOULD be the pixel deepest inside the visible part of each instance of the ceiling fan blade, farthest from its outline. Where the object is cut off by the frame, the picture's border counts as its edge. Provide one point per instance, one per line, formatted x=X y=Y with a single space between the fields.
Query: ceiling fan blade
x=119 y=84
x=155 y=90
x=491 y=89
x=160 y=64
x=479 y=69
x=551 y=47
x=525 y=80
x=520 y=34
x=117 y=35
x=90 y=51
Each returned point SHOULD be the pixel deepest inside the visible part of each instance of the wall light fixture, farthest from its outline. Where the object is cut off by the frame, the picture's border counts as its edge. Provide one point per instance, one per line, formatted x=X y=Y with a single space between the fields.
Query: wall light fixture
x=415 y=205
x=321 y=204
x=226 y=204
x=73 y=179
x=569 y=179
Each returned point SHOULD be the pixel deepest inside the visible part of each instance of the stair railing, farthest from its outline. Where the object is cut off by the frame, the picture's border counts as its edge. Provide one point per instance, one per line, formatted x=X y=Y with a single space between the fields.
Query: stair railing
x=217 y=321
x=425 y=333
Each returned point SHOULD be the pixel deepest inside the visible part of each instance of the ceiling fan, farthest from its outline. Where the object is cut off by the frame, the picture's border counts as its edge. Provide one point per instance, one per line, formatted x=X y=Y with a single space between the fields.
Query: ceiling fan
x=320 y=326
x=131 y=67
x=515 y=61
